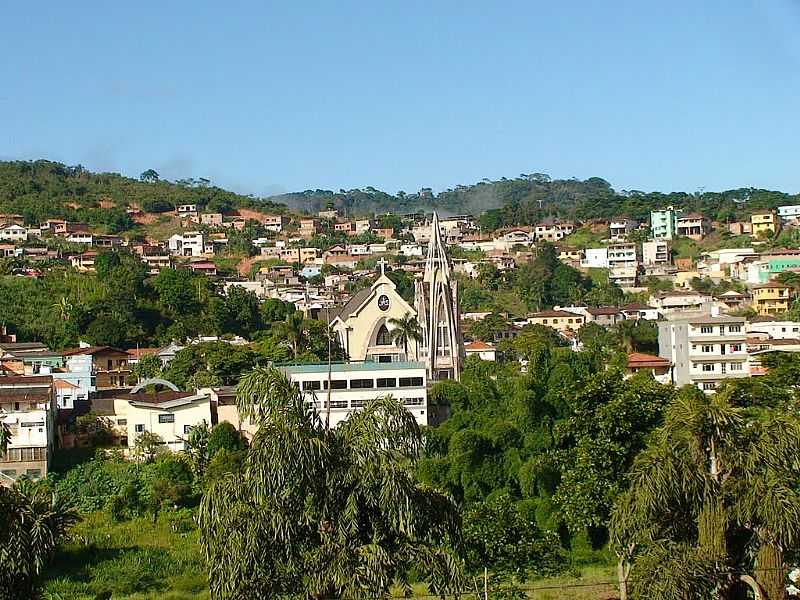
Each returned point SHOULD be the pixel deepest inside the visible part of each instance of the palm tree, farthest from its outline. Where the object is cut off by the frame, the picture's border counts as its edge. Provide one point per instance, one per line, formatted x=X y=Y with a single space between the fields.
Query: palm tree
x=325 y=513
x=293 y=329
x=32 y=524
x=64 y=307
x=405 y=329
x=5 y=438
x=712 y=476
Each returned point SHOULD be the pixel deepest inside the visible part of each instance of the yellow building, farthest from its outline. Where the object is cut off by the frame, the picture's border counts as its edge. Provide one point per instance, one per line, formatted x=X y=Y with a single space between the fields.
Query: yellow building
x=764 y=222
x=560 y=320
x=771 y=298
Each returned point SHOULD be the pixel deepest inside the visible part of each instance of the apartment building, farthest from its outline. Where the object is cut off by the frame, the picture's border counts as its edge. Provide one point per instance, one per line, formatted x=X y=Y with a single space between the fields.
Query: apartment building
x=656 y=252
x=704 y=350
x=763 y=223
x=771 y=298
x=664 y=223
x=354 y=384
x=109 y=366
x=620 y=227
x=28 y=409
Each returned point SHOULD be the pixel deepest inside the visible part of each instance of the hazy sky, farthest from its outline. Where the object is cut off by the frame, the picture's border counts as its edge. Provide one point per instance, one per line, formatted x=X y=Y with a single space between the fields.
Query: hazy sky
x=265 y=97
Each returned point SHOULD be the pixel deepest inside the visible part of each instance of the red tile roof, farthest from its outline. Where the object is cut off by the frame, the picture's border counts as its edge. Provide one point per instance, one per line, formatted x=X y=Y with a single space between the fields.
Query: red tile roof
x=641 y=360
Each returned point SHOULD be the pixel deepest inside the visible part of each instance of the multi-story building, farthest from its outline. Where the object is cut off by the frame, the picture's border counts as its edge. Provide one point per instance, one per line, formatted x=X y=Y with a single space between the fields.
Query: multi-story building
x=771 y=298
x=191 y=243
x=109 y=366
x=659 y=368
x=772 y=328
x=764 y=223
x=553 y=230
x=310 y=227
x=694 y=226
x=664 y=223
x=188 y=211
x=274 y=223
x=704 y=350
x=211 y=219
x=677 y=301
x=28 y=409
x=620 y=227
x=656 y=252
x=354 y=384
x=595 y=258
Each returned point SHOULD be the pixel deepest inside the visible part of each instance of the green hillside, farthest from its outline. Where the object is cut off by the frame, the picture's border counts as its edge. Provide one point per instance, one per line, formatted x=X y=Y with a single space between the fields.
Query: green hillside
x=42 y=189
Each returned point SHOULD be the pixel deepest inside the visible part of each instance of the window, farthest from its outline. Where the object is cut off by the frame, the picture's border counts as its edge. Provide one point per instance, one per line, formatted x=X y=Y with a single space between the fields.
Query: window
x=708 y=348
x=736 y=366
x=358 y=403
x=708 y=367
x=34 y=473
x=734 y=328
x=138 y=428
x=338 y=403
x=9 y=472
x=360 y=384
x=387 y=382
x=122 y=422
x=166 y=418
x=706 y=329
x=383 y=338
x=736 y=347
x=410 y=381
x=413 y=401
x=309 y=386
x=337 y=384
x=25 y=454
x=709 y=385
x=186 y=429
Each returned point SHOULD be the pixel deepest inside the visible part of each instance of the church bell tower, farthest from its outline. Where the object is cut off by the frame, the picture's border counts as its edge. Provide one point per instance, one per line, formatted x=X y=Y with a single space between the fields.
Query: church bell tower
x=436 y=302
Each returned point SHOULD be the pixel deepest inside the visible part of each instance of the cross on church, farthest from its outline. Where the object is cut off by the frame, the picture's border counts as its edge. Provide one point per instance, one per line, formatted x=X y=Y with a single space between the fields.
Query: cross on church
x=382 y=263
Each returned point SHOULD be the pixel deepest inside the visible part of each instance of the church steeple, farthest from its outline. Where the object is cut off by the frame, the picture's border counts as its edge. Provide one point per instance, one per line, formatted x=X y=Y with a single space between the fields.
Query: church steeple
x=436 y=302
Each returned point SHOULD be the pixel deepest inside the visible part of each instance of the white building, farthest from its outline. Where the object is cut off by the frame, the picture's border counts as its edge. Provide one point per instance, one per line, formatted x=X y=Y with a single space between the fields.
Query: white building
x=704 y=350
x=190 y=243
x=482 y=350
x=27 y=408
x=354 y=384
x=13 y=233
x=789 y=213
x=621 y=227
x=655 y=252
x=410 y=250
x=775 y=330
x=595 y=258
x=169 y=414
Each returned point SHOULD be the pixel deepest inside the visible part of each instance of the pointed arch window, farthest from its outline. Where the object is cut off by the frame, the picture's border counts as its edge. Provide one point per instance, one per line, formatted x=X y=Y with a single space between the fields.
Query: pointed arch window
x=383 y=338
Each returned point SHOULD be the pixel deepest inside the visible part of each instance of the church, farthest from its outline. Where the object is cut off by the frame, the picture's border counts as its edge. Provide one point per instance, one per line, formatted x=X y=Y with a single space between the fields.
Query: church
x=364 y=323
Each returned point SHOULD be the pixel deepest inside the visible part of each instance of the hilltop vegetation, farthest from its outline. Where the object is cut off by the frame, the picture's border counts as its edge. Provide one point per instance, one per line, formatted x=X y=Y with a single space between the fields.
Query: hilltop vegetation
x=40 y=190
x=43 y=189
x=529 y=197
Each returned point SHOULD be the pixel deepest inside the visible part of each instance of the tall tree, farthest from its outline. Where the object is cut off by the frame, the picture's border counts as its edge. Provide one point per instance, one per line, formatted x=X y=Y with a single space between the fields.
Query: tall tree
x=323 y=513
x=714 y=481
x=404 y=330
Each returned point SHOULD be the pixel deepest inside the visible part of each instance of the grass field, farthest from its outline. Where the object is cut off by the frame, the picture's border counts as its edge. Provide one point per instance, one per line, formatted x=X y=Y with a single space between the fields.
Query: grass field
x=143 y=560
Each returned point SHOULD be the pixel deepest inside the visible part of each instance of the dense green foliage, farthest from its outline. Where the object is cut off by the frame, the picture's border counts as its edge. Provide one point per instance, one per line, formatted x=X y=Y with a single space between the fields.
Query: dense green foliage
x=325 y=513
x=40 y=190
x=528 y=198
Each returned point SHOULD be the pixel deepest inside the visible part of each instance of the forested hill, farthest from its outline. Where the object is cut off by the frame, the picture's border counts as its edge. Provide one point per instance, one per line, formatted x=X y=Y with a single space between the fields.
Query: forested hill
x=42 y=189
x=529 y=197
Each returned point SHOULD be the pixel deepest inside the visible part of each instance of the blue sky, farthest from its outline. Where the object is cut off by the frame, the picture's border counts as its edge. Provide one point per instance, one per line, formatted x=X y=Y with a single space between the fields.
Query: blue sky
x=264 y=97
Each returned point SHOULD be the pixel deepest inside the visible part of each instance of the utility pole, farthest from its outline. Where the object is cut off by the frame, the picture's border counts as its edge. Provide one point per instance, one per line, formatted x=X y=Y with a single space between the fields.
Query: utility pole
x=328 y=401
